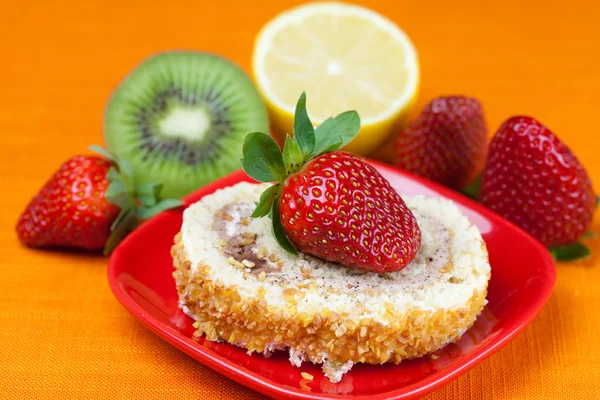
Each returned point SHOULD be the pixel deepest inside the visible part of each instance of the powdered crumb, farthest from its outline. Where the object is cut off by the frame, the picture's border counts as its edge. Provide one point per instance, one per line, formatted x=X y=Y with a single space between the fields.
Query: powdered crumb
x=307 y=376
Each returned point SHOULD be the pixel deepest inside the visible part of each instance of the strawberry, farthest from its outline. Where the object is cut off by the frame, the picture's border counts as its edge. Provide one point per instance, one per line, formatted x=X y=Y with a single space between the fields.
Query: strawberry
x=535 y=181
x=341 y=209
x=447 y=143
x=71 y=203
x=331 y=205
x=89 y=203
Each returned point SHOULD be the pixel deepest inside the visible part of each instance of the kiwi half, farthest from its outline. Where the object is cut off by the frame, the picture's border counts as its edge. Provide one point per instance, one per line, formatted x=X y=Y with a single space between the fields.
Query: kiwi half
x=180 y=119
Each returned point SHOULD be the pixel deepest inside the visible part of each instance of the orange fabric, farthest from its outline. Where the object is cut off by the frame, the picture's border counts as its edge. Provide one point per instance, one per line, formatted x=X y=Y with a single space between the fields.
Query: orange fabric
x=63 y=334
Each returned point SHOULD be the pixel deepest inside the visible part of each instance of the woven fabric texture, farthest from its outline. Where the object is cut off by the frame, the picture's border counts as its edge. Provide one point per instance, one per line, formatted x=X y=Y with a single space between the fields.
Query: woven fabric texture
x=63 y=334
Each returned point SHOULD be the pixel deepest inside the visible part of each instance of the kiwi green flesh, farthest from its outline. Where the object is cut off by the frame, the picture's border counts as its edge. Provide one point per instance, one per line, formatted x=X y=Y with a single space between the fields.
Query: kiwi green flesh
x=180 y=119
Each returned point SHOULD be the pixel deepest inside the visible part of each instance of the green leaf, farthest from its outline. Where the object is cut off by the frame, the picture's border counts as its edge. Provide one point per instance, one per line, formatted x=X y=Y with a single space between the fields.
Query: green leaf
x=125 y=223
x=570 y=252
x=140 y=203
x=335 y=146
x=326 y=137
x=147 y=193
x=121 y=171
x=120 y=217
x=348 y=125
x=589 y=234
x=473 y=189
x=336 y=132
x=304 y=132
x=292 y=155
x=118 y=194
x=144 y=212
x=113 y=175
x=279 y=232
x=266 y=201
x=262 y=158
x=126 y=172
x=102 y=151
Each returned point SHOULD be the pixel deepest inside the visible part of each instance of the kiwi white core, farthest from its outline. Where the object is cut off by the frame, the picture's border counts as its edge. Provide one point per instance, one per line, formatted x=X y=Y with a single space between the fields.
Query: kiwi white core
x=188 y=123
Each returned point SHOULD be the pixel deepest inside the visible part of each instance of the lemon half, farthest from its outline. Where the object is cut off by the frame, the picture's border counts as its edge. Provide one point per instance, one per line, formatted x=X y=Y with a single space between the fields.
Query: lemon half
x=345 y=57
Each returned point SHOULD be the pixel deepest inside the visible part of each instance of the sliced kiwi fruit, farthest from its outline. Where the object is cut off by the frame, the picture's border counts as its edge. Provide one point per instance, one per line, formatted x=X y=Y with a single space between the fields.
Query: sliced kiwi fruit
x=180 y=119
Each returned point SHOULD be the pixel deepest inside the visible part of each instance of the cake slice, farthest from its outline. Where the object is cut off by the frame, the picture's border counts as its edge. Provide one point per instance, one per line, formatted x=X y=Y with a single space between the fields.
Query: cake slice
x=241 y=287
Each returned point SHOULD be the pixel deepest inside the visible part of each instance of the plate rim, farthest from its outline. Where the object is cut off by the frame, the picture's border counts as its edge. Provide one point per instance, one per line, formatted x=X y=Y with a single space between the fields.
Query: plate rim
x=266 y=386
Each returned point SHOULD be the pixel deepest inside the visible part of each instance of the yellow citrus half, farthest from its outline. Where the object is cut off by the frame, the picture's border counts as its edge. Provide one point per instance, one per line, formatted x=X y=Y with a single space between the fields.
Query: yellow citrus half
x=345 y=57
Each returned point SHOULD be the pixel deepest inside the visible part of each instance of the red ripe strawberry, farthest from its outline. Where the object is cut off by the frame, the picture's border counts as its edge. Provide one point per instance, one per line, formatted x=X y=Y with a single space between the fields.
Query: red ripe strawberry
x=71 y=210
x=330 y=205
x=447 y=143
x=85 y=203
x=341 y=209
x=533 y=179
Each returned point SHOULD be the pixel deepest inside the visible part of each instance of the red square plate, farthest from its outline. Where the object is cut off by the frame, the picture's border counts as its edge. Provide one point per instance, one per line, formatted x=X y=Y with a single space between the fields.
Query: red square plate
x=523 y=275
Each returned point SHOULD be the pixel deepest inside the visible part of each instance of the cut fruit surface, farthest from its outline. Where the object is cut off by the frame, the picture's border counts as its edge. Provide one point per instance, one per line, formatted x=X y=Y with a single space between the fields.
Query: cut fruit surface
x=344 y=57
x=180 y=118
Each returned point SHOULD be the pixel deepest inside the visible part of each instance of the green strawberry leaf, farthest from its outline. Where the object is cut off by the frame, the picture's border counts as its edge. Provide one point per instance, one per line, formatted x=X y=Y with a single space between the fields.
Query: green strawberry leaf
x=304 y=132
x=292 y=155
x=262 y=158
x=145 y=212
x=113 y=175
x=327 y=137
x=97 y=149
x=279 y=232
x=125 y=223
x=135 y=203
x=263 y=207
x=348 y=125
x=126 y=172
x=147 y=193
x=335 y=146
x=117 y=193
x=570 y=252
x=125 y=169
x=472 y=191
x=336 y=132
x=120 y=217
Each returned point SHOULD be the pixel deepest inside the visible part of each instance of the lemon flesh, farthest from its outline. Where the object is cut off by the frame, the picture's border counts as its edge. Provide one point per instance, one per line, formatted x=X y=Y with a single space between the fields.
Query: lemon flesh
x=344 y=57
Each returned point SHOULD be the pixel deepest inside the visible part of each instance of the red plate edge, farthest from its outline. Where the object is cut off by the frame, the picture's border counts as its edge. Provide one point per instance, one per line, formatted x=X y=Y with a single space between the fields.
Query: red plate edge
x=258 y=383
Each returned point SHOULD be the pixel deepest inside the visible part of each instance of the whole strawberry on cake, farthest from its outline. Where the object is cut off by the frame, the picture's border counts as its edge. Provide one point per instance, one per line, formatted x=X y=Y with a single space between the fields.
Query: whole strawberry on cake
x=325 y=260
